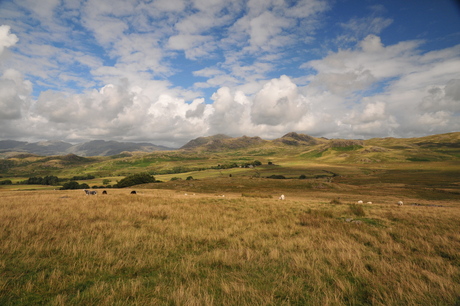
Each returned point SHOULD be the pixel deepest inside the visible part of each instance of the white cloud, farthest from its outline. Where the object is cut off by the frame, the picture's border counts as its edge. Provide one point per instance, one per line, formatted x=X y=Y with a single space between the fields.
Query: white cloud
x=265 y=29
x=278 y=103
x=6 y=38
x=230 y=112
x=443 y=98
x=14 y=95
x=238 y=49
x=370 y=60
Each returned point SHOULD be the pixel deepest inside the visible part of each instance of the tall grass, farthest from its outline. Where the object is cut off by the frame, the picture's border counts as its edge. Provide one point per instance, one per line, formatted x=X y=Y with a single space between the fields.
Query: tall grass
x=161 y=247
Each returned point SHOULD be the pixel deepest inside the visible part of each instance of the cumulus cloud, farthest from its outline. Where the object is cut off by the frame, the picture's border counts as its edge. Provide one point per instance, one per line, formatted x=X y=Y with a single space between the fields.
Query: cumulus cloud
x=443 y=98
x=102 y=69
x=6 y=38
x=371 y=119
x=356 y=69
x=278 y=103
x=230 y=112
x=14 y=95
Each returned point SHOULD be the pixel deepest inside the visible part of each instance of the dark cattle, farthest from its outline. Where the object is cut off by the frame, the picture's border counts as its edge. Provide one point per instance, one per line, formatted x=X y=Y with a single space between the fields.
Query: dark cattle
x=133 y=192
x=104 y=192
x=89 y=192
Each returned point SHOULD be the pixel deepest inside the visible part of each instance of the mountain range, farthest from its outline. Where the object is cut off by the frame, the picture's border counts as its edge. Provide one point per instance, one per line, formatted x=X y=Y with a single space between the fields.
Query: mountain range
x=90 y=148
x=222 y=142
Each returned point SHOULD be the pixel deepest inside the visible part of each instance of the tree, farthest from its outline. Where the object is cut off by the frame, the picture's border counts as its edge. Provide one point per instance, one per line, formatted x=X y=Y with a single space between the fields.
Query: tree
x=135 y=179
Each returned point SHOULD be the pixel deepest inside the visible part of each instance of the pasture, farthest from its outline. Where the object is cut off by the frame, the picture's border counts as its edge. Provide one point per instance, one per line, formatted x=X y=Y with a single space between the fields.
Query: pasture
x=229 y=241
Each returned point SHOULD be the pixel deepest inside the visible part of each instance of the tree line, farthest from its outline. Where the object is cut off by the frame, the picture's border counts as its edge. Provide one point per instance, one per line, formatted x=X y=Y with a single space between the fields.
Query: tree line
x=53 y=180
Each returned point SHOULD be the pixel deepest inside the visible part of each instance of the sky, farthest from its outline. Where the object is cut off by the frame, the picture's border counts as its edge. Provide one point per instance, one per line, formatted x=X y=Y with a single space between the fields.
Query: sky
x=168 y=71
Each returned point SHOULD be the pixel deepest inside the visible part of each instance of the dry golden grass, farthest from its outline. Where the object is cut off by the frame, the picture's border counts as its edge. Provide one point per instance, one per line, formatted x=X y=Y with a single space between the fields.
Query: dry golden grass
x=162 y=247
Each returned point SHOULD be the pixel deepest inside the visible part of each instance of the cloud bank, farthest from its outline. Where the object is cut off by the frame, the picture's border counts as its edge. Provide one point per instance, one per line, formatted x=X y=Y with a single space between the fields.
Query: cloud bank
x=83 y=70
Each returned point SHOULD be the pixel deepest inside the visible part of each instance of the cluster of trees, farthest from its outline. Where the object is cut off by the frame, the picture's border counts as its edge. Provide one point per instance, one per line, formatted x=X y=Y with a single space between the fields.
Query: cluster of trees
x=82 y=177
x=47 y=180
x=74 y=185
x=135 y=179
x=6 y=182
x=53 y=180
x=235 y=165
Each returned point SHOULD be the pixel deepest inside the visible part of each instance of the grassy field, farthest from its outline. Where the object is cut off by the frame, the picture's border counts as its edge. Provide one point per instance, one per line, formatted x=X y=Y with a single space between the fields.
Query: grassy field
x=225 y=238
x=230 y=241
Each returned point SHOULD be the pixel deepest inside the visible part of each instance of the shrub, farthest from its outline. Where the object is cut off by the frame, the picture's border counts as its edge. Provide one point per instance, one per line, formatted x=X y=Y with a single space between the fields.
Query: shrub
x=302 y=177
x=277 y=176
x=189 y=178
x=357 y=210
x=6 y=182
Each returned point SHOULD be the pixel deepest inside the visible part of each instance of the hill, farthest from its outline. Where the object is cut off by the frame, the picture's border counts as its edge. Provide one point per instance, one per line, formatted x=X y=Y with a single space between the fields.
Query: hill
x=223 y=143
x=294 y=139
x=91 y=148
x=293 y=151
x=40 y=148
x=108 y=148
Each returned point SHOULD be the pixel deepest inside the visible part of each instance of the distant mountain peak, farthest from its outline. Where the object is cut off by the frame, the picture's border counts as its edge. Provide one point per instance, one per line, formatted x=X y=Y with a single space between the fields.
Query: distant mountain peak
x=295 y=139
x=222 y=142
x=200 y=141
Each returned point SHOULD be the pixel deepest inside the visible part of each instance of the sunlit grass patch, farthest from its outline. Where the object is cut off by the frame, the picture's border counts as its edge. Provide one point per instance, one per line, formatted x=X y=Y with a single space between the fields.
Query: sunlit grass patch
x=162 y=247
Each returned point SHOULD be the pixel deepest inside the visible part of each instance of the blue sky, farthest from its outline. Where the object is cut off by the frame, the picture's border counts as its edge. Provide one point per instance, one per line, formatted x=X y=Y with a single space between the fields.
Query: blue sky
x=167 y=71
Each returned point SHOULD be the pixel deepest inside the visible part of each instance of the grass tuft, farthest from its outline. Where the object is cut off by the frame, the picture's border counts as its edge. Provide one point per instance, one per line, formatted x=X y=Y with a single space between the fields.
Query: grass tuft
x=357 y=210
x=335 y=201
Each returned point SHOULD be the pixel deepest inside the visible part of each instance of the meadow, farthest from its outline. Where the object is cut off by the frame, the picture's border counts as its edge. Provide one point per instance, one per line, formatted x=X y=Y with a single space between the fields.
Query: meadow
x=231 y=241
x=208 y=234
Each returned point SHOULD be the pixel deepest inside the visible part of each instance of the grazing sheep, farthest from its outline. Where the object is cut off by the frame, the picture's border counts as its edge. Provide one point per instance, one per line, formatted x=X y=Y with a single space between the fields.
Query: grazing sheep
x=133 y=192
x=400 y=203
x=282 y=197
x=104 y=192
x=369 y=202
x=89 y=192
x=360 y=202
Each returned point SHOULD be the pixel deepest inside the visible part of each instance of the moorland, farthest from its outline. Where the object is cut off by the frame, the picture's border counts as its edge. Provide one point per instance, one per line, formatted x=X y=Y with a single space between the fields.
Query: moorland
x=211 y=229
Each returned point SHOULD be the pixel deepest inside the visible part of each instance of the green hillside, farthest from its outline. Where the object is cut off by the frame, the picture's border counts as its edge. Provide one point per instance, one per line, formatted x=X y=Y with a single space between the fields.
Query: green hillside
x=292 y=156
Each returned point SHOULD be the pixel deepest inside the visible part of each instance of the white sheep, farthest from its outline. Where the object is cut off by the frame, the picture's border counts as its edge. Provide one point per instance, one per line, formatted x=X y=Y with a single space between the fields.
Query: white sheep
x=369 y=202
x=360 y=202
x=400 y=203
x=282 y=197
